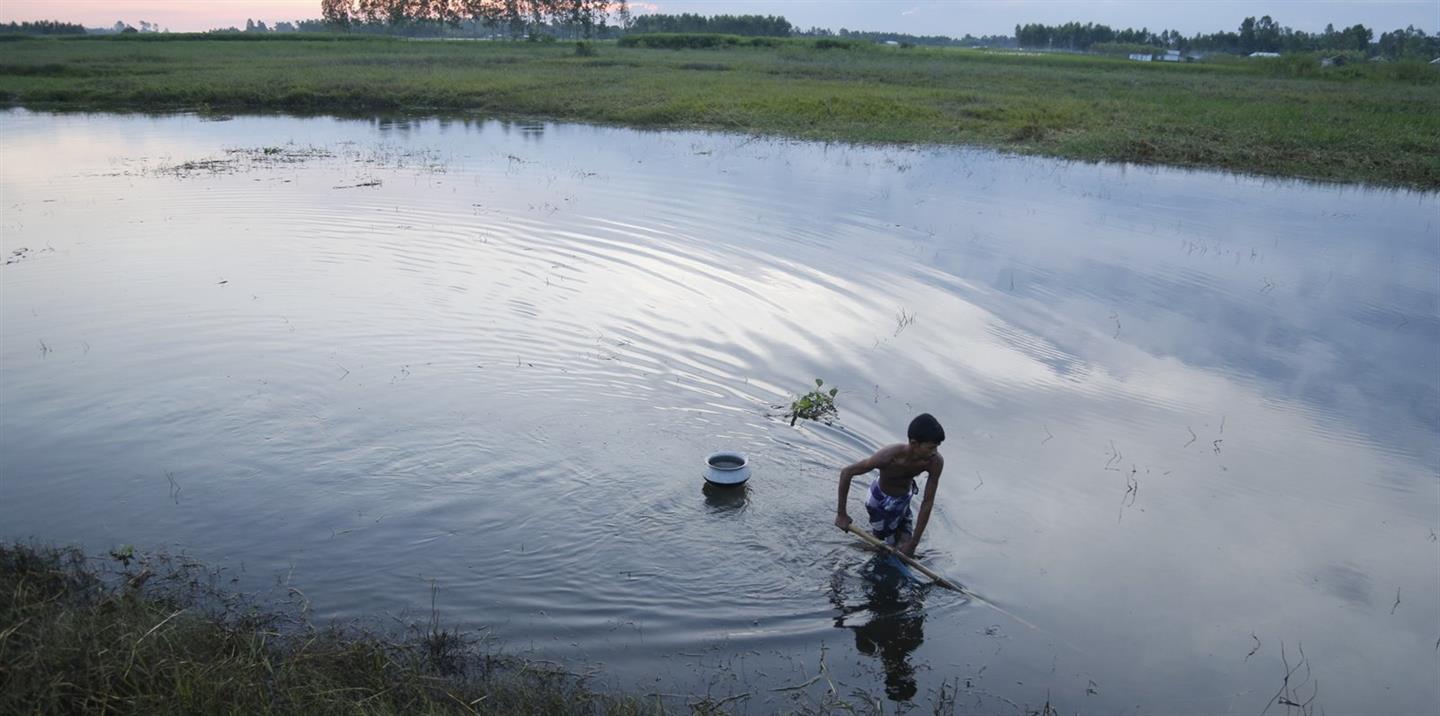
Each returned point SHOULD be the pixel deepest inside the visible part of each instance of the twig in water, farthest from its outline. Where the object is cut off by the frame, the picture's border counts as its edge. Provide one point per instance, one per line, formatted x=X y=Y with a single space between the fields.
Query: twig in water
x=1284 y=682
x=1222 y=424
x=305 y=609
x=1216 y=445
x=1193 y=437
x=345 y=374
x=1132 y=491
x=980 y=484
x=1047 y=710
x=728 y=699
x=797 y=687
x=903 y=320
x=1289 y=696
x=135 y=582
x=174 y=486
x=1114 y=457
x=1397 y=601
x=157 y=626
x=1257 y=646
x=1048 y=435
x=463 y=705
x=825 y=671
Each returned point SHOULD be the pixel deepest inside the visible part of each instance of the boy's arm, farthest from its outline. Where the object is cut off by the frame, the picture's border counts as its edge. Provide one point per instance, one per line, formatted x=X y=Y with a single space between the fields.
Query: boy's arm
x=931 y=483
x=879 y=459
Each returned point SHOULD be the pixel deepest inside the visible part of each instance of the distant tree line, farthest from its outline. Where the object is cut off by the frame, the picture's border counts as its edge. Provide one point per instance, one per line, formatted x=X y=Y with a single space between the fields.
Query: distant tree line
x=1263 y=35
x=743 y=25
x=1410 y=42
x=54 y=27
x=1075 y=36
x=933 y=40
x=282 y=26
x=42 y=27
x=585 y=18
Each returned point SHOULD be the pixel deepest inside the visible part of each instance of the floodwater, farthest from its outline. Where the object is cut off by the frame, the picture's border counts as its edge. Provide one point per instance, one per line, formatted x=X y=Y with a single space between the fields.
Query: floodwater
x=1192 y=417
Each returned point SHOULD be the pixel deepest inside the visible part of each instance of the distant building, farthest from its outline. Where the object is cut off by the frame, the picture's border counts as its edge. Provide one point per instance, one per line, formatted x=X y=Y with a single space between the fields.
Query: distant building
x=1141 y=56
x=1171 y=56
x=1336 y=61
x=1264 y=54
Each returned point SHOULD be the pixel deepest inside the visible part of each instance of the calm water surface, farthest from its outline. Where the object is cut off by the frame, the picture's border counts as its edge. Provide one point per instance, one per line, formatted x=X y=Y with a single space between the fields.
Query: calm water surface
x=1192 y=418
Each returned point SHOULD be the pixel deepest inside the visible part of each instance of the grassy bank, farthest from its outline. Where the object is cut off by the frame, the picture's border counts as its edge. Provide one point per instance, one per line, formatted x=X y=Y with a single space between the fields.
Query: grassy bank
x=1372 y=123
x=157 y=638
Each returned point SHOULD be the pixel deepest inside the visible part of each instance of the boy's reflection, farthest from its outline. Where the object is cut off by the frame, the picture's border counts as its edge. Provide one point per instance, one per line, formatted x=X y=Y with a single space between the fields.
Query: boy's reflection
x=891 y=616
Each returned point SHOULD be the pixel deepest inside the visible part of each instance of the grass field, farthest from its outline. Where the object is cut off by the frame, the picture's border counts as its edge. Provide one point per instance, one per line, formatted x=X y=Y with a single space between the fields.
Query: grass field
x=1370 y=123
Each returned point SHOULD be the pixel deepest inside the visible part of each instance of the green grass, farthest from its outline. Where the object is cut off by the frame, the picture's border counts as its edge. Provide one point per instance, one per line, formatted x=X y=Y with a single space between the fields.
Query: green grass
x=78 y=638
x=1365 y=123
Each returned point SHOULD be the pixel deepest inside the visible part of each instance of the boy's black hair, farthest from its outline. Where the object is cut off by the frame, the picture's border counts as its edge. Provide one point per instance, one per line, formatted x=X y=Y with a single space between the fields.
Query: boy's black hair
x=926 y=429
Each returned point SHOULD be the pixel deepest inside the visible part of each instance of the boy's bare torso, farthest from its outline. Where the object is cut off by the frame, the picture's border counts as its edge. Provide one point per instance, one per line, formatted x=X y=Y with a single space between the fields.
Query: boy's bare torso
x=897 y=475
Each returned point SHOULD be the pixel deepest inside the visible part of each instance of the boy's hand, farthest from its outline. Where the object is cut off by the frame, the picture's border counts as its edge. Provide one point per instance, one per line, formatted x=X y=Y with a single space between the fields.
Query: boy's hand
x=907 y=548
x=842 y=521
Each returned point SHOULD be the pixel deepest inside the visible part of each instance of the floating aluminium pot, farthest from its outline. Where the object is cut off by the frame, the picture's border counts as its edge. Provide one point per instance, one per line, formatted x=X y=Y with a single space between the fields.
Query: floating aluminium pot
x=727 y=468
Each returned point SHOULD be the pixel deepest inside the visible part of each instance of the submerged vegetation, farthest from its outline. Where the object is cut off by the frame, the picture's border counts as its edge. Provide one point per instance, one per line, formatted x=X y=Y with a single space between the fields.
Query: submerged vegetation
x=1368 y=122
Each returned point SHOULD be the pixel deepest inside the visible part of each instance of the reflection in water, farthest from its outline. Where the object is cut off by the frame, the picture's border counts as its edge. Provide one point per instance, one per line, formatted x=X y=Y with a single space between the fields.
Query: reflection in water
x=725 y=498
x=891 y=620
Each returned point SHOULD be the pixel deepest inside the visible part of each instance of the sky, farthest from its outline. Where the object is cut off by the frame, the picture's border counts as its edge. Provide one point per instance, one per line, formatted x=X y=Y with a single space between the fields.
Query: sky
x=918 y=17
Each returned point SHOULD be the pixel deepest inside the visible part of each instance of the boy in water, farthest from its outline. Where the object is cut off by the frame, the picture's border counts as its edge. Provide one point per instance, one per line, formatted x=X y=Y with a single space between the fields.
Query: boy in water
x=889 y=502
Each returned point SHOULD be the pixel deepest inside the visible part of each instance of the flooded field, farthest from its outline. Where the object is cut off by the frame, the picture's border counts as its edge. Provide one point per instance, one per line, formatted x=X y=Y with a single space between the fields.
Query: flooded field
x=1192 y=417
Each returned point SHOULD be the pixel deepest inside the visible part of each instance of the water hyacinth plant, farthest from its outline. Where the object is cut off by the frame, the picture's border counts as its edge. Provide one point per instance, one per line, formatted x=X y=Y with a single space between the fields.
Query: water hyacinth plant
x=815 y=405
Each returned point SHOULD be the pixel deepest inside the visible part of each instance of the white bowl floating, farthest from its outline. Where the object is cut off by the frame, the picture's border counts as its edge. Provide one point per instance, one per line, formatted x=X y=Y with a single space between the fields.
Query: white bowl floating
x=727 y=468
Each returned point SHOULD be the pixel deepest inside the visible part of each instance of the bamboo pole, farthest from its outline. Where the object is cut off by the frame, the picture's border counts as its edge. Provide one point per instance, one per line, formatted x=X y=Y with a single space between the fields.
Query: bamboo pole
x=939 y=580
x=907 y=559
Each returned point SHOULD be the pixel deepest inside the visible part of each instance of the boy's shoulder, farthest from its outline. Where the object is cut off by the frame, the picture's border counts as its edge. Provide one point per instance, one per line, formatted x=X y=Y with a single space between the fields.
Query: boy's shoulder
x=892 y=452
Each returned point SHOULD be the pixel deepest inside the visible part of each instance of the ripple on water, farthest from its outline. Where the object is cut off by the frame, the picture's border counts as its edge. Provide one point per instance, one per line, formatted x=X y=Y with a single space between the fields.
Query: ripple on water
x=497 y=371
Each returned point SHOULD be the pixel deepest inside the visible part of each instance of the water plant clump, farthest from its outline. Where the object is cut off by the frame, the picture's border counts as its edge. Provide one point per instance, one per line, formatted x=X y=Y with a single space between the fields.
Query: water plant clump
x=817 y=404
